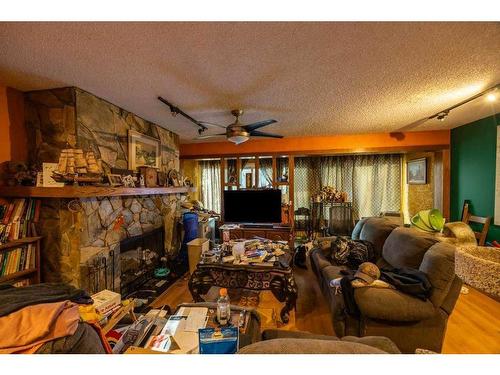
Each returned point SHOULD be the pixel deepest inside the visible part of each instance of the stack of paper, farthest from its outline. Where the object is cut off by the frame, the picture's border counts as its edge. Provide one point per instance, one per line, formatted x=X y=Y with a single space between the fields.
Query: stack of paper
x=197 y=318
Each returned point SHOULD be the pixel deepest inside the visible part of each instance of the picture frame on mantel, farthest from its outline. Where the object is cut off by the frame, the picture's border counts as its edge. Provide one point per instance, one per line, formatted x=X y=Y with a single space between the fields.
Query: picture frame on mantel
x=114 y=179
x=143 y=150
x=416 y=171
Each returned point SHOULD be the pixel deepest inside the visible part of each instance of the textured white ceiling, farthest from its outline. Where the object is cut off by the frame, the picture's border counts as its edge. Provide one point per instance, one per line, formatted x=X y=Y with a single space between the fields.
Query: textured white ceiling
x=314 y=78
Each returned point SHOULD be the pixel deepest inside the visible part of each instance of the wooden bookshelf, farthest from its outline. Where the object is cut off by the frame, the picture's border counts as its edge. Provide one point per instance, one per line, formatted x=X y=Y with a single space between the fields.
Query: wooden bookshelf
x=19 y=242
x=18 y=275
x=86 y=191
x=33 y=274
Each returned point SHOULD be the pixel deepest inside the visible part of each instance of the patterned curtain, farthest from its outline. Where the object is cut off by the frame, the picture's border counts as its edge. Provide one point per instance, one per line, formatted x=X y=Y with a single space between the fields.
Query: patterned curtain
x=372 y=182
x=210 y=184
x=307 y=180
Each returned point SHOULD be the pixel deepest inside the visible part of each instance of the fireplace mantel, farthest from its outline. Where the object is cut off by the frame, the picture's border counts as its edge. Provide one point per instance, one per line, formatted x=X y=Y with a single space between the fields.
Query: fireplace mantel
x=86 y=191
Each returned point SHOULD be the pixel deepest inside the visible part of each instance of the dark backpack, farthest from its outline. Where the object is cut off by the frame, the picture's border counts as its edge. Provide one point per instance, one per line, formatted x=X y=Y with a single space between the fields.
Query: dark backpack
x=351 y=253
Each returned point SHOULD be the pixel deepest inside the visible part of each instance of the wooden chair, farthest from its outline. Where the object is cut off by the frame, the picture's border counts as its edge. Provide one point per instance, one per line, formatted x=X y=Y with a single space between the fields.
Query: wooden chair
x=485 y=221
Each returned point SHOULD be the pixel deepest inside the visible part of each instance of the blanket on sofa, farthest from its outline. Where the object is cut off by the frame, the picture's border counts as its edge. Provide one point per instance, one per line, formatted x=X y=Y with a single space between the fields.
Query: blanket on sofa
x=13 y=299
x=29 y=328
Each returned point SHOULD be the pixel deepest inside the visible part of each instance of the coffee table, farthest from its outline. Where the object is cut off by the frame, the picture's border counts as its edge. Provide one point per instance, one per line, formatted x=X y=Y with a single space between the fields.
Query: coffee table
x=278 y=279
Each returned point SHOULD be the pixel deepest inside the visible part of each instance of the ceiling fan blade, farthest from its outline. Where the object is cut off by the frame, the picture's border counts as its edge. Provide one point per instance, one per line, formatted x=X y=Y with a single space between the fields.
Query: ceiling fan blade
x=257 y=125
x=212 y=124
x=256 y=133
x=210 y=136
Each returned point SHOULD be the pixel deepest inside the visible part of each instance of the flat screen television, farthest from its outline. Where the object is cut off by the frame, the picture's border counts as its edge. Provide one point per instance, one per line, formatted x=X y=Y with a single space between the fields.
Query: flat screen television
x=252 y=206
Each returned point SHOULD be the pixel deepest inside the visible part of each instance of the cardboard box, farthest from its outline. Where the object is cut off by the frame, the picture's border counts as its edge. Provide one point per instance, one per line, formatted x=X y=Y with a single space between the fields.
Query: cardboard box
x=106 y=300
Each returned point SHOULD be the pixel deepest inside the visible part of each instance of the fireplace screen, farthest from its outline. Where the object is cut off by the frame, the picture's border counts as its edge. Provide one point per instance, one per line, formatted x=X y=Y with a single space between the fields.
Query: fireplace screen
x=139 y=257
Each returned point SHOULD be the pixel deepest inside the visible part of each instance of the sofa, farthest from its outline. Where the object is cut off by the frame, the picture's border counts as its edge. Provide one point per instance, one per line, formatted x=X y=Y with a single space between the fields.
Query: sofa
x=85 y=340
x=276 y=341
x=410 y=322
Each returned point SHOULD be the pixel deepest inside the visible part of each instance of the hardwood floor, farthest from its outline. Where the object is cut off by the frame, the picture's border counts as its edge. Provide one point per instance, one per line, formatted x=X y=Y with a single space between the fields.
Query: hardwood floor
x=474 y=326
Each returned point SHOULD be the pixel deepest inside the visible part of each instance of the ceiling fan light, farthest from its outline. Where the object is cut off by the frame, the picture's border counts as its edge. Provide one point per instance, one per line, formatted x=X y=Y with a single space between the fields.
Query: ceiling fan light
x=237 y=139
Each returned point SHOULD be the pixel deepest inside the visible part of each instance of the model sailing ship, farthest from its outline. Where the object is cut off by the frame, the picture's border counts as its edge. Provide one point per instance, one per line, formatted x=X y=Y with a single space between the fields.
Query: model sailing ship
x=74 y=166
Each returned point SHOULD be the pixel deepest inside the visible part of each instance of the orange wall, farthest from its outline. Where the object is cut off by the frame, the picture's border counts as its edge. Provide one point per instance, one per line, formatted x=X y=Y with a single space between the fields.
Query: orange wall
x=378 y=142
x=4 y=126
x=18 y=136
x=13 y=140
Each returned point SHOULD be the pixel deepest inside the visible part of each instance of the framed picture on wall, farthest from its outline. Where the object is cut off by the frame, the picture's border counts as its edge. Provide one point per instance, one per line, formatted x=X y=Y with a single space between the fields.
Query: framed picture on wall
x=417 y=171
x=142 y=151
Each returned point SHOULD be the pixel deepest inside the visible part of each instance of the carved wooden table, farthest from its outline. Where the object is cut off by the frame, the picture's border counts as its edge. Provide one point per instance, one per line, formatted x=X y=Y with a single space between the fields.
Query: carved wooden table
x=278 y=279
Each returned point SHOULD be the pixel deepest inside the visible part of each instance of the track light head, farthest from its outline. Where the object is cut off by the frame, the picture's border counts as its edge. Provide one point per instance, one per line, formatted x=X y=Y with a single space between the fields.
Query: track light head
x=442 y=115
x=491 y=97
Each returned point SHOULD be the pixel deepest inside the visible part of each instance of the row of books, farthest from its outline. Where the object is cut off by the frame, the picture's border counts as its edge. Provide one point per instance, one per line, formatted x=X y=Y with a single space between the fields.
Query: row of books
x=18 y=218
x=17 y=259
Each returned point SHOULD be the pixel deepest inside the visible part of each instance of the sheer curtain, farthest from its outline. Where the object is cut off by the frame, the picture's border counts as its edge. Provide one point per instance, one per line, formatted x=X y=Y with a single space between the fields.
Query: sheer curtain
x=265 y=172
x=372 y=182
x=210 y=184
x=307 y=180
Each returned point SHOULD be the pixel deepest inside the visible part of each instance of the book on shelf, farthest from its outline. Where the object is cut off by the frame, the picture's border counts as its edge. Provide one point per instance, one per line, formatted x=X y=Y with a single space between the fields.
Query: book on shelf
x=17 y=259
x=18 y=218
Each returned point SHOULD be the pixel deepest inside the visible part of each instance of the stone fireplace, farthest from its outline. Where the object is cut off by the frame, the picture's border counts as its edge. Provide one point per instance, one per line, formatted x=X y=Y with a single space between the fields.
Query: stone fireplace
x=82 y=235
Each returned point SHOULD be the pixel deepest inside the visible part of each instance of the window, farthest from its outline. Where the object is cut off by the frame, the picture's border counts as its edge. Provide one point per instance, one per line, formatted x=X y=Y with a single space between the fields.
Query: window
x=372 y=182
x=210 y=185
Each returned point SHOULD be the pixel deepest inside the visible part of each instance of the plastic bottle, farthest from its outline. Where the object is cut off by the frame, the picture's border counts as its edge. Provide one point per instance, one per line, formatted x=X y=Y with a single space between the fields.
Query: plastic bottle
x=223 y=307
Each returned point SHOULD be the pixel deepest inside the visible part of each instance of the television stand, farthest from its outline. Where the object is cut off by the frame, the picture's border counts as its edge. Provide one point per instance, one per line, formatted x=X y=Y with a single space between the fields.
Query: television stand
x=269 y=231
x=250 y=225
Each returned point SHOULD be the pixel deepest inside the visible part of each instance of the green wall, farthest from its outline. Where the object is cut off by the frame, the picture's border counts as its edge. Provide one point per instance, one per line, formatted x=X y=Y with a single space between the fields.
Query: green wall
x=473 y=169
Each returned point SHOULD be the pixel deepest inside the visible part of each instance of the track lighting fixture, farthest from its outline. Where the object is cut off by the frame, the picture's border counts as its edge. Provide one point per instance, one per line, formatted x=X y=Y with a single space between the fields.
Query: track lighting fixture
x=442 y=116
x=491 y=95
x=175 y=111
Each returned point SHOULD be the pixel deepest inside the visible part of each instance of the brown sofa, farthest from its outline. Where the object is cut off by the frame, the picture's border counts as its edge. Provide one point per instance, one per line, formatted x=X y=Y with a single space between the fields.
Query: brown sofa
x=276 y=341
x=408 y=321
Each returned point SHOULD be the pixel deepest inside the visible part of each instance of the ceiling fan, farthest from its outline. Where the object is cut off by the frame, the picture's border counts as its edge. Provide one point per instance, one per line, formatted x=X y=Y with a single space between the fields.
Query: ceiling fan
x=235 y=132
x=239 y=133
